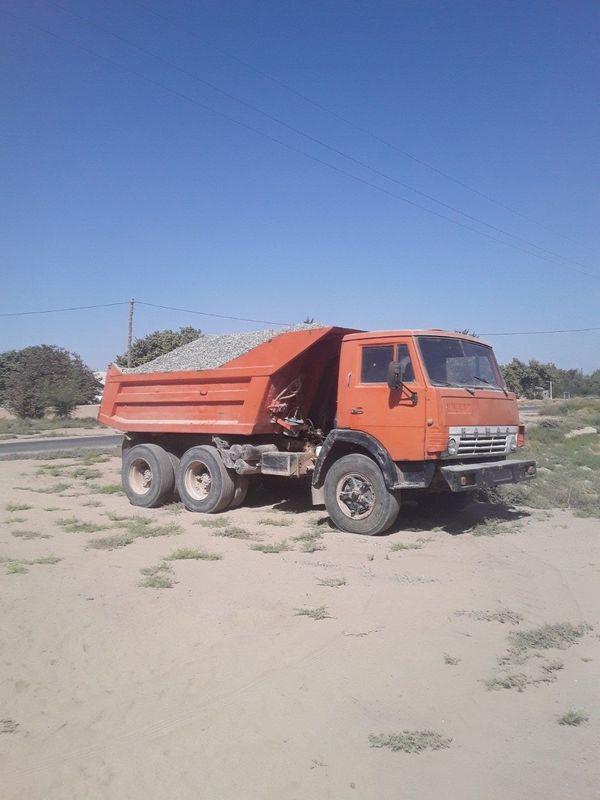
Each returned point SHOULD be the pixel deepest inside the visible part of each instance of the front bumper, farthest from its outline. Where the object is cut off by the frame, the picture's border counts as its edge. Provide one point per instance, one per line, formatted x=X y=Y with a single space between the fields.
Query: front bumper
x=466 y=477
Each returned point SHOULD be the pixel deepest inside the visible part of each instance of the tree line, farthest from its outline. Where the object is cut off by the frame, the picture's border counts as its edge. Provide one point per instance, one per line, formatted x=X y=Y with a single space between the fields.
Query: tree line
x=44 y=377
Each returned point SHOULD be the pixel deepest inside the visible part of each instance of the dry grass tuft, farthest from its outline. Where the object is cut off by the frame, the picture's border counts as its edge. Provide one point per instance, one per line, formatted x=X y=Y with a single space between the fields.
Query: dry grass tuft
x=12 y=507
x=397 y=546
x=410 y=741
x=185 y=553
x=158 y=576
x=573 y=717
x=274 y=547
x=558 y=635
x=333 y=582
x=313 y=613
x=231 y=532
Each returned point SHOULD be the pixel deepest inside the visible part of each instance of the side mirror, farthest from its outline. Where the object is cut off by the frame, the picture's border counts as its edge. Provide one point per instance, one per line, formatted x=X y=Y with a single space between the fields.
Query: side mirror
x=395 y=375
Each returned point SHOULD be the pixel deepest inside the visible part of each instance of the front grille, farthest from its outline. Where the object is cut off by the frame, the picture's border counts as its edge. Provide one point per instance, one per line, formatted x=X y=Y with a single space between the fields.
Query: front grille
x=481 y=444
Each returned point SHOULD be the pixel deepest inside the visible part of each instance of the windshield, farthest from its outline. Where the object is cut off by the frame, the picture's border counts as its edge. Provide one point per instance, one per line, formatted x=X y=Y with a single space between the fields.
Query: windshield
x=456 y=362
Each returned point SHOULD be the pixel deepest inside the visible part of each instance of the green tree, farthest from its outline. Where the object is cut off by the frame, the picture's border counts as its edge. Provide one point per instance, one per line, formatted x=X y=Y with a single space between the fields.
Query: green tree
x=528 y=380
x=35 y=378
x=157 y=344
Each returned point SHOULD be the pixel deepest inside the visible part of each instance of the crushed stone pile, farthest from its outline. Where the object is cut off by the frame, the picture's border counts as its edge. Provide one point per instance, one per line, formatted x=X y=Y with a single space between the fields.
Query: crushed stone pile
x=210 y=352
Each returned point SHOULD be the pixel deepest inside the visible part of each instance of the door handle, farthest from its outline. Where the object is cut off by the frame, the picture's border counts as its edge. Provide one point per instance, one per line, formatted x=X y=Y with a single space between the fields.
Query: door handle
x=356 y=410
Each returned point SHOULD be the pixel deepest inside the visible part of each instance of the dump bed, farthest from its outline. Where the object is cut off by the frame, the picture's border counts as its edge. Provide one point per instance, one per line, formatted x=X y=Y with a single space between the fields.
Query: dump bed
x=233 y=398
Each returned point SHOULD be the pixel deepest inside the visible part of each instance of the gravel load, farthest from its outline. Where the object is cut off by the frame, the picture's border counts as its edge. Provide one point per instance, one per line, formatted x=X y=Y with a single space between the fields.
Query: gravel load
x=210 y=352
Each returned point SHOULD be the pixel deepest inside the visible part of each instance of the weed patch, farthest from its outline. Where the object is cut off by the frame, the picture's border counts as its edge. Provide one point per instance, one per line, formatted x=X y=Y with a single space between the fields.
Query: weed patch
x=280 y=522
x=518 y=681
x=75 y=525
x=410 y=741
x=274 y=547
x=57 y=488
x=451 y=660
x=231 y=532
x=86 y=473
x=216 y=522
x=558 y=635
x=109 y=488
x=311 y=546
x=12 y=507
x=494 y=527
x=18 y=566
x=502 y=615
x=314 y=613
x=334 y=583
x=157 y=577
x=30 y=535
x=110 y=542
x=397 y=546
x=573 y=717
x=185 y=553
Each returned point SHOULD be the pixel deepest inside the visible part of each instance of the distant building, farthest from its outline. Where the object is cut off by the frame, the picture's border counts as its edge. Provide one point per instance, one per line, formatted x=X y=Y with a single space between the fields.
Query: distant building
x=100 y=376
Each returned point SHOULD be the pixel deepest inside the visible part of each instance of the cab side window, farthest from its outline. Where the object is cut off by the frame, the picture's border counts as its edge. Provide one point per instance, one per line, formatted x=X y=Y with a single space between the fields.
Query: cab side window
x=375 y=362
x=403 y=356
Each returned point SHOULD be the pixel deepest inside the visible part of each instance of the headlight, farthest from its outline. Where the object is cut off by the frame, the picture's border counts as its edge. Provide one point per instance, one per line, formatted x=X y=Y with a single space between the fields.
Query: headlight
x=512 y=442
x=452 y=447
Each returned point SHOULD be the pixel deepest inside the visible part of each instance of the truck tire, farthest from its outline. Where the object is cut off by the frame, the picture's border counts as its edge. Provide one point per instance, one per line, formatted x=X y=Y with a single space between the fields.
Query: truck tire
x=147 y=475
x=240 y=491
x=356 y=497
x=175 y=463
x=203 y=482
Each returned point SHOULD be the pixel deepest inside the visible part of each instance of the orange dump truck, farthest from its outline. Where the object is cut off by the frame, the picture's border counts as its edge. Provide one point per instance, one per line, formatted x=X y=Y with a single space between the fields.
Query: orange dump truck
x=368 y=416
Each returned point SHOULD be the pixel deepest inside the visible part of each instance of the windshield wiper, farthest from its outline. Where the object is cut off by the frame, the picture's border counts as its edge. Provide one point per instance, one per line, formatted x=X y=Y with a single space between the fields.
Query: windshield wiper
x=489 y=383
x=469 y=389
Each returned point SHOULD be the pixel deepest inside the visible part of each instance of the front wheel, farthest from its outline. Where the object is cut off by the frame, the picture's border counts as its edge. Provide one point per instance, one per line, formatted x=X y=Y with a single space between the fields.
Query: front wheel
x=356 y=497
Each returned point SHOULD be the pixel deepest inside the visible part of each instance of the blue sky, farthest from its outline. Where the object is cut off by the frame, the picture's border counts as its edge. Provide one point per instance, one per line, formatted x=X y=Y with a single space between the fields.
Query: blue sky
x=114 y=186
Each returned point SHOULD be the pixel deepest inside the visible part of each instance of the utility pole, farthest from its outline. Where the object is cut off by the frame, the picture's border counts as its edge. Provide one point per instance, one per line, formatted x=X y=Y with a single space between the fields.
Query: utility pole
x=130 y=332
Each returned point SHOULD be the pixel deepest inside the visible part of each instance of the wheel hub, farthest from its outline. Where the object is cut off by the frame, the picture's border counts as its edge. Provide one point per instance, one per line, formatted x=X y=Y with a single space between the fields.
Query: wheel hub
x=356 y=496
x=198 y=481
x=140 y=476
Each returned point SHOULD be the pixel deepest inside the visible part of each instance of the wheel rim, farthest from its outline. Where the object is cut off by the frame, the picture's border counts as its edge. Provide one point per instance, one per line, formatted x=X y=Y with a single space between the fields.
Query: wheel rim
x=198 y=481
x=140 y=476
x=355 y=496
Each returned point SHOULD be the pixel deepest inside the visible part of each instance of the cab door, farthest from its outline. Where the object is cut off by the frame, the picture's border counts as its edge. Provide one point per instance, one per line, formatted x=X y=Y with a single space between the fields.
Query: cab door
x=395 y=417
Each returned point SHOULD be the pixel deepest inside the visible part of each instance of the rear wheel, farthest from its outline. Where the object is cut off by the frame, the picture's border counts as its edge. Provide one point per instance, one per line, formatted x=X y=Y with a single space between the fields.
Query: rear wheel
x=356 y=497
x=147 y=475
x=240 y=492
x=203 y=482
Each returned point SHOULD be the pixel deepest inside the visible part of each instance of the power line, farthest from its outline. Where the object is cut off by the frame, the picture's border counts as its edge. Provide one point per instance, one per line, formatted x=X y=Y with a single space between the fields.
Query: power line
x=310 y=137
x=292 y=148
x=350 y=123
x=248 y=319
x=59 y=310
x=537 y=333
x=218 y=316
x=141 y=303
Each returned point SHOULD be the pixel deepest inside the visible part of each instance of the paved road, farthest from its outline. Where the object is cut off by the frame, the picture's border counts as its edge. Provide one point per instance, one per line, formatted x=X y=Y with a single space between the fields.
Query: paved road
x=68 y=443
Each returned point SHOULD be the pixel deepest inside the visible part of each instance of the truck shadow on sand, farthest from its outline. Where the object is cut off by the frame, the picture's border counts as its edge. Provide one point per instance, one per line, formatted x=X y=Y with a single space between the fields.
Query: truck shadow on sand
x=413 y=517
x=473 y=518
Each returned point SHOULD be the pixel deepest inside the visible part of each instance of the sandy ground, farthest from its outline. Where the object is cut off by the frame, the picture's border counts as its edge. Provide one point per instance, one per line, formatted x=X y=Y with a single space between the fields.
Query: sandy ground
x=217 y=689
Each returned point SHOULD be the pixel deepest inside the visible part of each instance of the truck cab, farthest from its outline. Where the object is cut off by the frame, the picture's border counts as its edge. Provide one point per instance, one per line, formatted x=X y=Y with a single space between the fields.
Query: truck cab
x=432 y=409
